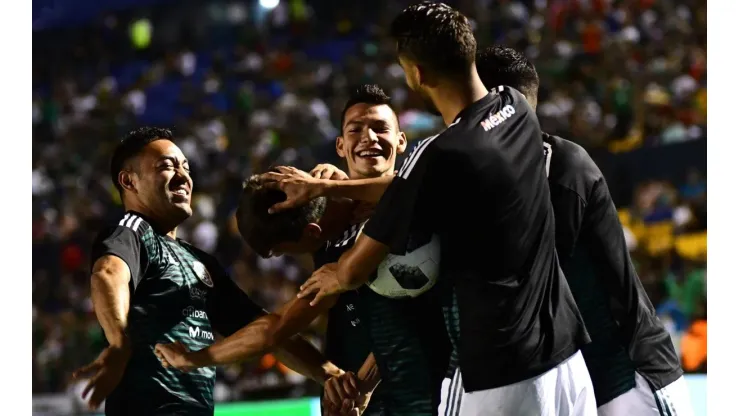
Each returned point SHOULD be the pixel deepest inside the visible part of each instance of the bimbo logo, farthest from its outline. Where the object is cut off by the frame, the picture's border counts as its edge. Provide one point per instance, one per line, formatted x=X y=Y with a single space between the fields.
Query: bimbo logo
x=495 y=119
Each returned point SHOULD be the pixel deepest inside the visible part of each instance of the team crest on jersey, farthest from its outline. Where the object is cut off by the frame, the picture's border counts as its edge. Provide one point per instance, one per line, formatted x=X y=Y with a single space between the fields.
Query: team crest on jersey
x=202 y=273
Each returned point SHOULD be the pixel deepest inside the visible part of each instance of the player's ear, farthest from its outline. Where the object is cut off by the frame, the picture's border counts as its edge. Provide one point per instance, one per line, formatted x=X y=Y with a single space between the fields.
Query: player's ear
x=126 y=179
x=312 y=230
x=402 y=143
x=340 y=147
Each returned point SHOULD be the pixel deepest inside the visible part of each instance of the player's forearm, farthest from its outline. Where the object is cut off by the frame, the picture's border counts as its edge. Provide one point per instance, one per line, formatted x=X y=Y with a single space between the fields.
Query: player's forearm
x=368 y=190
x=357 y=265
x=369 y=375
x=262 y=335
x=249 y=342
x=110 y=297
x=302 y=357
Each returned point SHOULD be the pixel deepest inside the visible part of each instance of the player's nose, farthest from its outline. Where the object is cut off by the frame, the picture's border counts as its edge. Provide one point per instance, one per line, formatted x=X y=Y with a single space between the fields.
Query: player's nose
x=370 y=136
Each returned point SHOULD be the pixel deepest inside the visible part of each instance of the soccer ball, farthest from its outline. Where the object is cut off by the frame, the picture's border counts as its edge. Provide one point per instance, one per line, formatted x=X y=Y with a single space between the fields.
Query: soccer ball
x=410 y=275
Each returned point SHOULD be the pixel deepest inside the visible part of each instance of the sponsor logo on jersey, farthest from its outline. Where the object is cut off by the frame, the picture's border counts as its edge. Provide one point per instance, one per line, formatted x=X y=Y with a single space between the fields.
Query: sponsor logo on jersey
x=196 y=332
x=497 y=118
x=197 y=294
x=191 y=312
x=202 y=273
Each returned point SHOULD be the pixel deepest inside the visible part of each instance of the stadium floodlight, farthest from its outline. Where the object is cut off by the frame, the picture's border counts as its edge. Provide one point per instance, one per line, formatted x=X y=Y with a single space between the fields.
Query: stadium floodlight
x=269 y=4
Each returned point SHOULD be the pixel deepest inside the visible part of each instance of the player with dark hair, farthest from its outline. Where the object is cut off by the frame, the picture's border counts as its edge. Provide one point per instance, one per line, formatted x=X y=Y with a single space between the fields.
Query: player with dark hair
x=150 y=287
x=517 y=331
x=406 y=338
x=633 y=365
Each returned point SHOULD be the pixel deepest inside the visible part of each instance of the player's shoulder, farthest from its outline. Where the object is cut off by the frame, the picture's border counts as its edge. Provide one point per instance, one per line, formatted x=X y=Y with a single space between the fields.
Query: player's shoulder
x=570 y=164
x=211 y=263
x=206 y=258
x=130 y=225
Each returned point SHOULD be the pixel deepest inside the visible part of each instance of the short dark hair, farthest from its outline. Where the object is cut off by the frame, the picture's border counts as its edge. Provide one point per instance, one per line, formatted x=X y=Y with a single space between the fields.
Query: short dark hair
x=499 y=65
x=130 y=146
x=262 y=230
x=370 y=94
x=436 y=36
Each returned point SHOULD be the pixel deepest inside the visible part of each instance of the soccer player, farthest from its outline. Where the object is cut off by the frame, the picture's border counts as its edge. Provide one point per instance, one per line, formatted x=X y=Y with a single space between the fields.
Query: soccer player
x=633 y=365
x=149 y=287
x=406 y=337
x=481 y=186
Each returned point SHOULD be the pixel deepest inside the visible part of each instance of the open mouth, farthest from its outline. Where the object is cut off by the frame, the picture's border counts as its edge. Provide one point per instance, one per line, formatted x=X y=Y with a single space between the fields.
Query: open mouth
x=370 y=153
x=181 y=191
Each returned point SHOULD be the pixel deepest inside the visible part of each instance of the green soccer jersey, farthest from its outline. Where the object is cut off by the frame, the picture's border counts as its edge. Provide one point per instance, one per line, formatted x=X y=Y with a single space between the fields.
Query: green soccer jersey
x=406 y=336
x=178 y=293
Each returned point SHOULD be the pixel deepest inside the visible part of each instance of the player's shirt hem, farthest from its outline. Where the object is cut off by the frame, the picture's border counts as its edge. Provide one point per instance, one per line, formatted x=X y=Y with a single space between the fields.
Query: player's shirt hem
x=472 y=385
x=663 y=378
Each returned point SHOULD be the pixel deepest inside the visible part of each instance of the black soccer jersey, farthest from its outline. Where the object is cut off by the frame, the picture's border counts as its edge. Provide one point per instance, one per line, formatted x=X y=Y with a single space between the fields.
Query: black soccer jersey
x=407 y=337
x=481 y=186
x=625 y=331
x=178 y=293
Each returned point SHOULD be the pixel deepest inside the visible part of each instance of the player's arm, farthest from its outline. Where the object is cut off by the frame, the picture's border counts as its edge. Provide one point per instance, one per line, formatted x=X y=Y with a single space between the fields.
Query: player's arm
x=301 y=188
x=407 y=203
x=302 y=357
x=109 y=287
x=264 y=334
x=368 y=190
x=117 y=269
x=119 y=262
x=369 y=375
x=603 y=235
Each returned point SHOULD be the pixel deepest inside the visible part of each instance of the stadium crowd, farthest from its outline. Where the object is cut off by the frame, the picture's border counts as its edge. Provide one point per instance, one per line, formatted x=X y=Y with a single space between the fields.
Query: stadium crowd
x=244 y=87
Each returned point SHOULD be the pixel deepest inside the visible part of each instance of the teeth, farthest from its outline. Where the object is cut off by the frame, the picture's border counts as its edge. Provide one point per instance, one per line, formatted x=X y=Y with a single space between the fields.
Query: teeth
x=370 y=154
x=180 y=192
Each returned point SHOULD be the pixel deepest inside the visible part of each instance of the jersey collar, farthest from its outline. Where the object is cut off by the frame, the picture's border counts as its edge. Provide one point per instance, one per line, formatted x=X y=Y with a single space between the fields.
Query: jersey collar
x=474 y=108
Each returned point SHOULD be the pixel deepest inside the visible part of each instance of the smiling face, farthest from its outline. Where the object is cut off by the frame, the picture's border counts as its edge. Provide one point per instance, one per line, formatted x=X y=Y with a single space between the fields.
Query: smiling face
x=160 y=182
x=370 y=140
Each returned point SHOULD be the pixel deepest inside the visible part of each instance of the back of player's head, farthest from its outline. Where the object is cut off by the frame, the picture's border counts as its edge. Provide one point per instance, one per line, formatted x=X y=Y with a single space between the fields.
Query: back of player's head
x=499 y=65
x=436 y=37
x=130 y=146
x=371 y=94
x=262 y=230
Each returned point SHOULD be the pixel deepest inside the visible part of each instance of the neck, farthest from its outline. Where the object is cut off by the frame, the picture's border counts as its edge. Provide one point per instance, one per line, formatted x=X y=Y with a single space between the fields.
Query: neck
x=157 y=223
x=336 y=218
x=451 y=97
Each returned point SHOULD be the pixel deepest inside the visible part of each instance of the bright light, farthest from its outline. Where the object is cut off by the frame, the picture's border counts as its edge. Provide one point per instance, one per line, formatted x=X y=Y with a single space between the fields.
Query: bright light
x=269 y=4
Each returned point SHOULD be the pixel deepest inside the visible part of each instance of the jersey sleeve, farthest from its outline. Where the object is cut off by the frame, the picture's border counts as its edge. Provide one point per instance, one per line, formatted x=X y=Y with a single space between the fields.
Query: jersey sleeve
x=125 y=243
x=229 y=308
x=604 y=238
x=408 y=202
x=569 y=210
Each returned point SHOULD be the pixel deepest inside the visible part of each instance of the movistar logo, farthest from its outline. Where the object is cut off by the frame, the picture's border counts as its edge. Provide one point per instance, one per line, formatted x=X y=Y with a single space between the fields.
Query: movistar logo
x=497 y=118
x=198 y=333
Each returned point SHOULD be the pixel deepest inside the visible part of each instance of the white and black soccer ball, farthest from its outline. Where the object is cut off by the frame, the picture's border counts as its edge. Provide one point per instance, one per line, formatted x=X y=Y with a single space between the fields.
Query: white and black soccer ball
x=410 y=275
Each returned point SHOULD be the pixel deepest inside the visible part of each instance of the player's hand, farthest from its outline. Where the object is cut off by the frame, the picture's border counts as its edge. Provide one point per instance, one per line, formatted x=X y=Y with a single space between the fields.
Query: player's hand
x=347 y=408
x=323 y=282
x=103 y=374
x=299 y=186
x=339 y=388
x=328 y=171
x=174 y=355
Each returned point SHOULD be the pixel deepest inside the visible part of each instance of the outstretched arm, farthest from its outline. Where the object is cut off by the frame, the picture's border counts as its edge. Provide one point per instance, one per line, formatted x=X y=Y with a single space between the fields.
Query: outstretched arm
x=264 y=334
x=301 y=356
x=352 y=270
x=301 y=187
